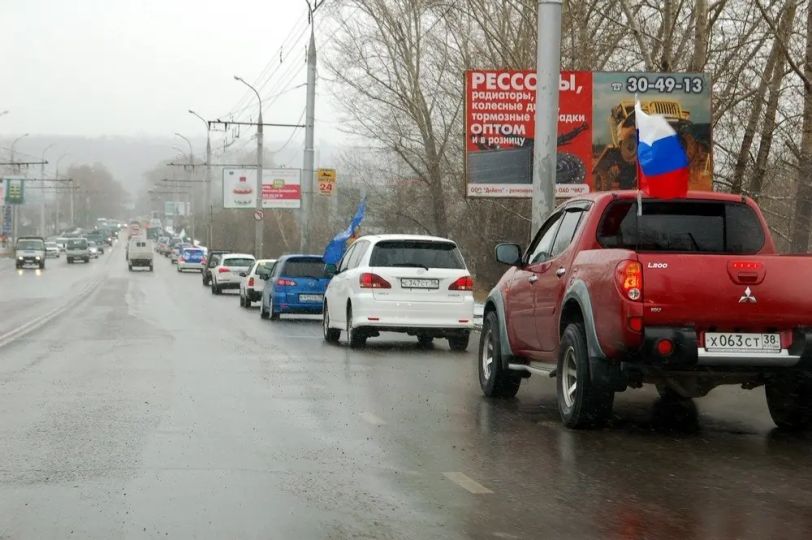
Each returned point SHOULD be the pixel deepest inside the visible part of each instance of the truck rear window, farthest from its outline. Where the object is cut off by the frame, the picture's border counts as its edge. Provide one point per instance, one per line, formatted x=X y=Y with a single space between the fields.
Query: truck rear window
x=682 y=226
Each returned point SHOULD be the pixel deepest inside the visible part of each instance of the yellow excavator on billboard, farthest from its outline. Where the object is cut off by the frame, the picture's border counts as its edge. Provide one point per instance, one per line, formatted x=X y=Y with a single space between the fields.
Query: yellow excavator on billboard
x=615 y=166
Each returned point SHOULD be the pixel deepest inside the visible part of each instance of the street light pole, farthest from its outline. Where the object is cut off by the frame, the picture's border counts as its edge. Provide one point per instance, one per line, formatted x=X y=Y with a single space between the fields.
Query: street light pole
x=259 y=217
x=59 y=197
x=42 y=231
x=548 y=68
x=189 y=193
x=310 y=115
x=209 y=209
x=14 y=209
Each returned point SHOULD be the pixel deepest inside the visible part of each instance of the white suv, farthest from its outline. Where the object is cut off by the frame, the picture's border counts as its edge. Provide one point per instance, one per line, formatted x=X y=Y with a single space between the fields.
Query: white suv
x=253 y=282
x=418 y=285
x=226 y=272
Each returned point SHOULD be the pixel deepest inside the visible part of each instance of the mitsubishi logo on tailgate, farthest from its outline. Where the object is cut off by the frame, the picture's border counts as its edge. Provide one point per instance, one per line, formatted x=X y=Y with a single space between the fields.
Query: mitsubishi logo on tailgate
x=748 y=297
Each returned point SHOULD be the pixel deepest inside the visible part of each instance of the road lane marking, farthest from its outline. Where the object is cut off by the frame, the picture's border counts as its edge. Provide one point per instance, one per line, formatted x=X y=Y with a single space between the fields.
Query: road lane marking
x=467 y=483
x=35 y=323
x=372 y=419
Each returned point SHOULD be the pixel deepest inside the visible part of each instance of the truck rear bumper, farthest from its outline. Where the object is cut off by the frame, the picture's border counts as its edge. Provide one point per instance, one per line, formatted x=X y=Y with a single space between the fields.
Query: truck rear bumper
x=687 y=352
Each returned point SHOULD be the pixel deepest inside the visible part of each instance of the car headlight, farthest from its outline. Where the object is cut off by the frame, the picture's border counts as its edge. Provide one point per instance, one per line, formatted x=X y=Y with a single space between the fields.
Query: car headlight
x=37 y=257
x=19 y=258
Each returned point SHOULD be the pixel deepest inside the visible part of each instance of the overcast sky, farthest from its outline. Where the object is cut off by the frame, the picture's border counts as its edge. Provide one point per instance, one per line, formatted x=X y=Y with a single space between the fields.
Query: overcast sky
x=134 y=67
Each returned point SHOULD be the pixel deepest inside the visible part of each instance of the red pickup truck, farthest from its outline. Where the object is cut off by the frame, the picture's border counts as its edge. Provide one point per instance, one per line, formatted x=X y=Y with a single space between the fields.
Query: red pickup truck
x=687 y=294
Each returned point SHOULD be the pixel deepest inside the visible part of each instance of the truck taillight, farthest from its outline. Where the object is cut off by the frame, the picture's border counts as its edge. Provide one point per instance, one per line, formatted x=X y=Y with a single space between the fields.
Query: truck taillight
x=465 y=283
x=630 y=279
x=369 y=280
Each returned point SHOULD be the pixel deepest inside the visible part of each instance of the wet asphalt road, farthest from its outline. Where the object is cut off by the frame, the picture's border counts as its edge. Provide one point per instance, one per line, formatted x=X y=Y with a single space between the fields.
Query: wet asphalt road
x=149 y=408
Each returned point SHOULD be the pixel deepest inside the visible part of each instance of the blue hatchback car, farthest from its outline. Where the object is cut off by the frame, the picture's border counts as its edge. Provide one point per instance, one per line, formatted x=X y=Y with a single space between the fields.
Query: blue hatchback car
x=296 y=285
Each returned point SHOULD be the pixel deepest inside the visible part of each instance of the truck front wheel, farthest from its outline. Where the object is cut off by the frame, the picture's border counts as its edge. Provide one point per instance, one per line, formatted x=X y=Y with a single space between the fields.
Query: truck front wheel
x=789 y=398
x=494 y=379
x=584 y=399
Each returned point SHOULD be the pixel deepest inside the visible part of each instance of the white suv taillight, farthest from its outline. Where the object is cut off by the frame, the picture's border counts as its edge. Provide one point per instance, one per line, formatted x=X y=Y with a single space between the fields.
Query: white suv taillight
x=465 y=283
x=368 y=280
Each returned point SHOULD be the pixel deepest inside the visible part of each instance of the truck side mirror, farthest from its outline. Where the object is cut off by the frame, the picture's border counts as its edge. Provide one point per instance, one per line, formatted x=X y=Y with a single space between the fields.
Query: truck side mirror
x=509 y=254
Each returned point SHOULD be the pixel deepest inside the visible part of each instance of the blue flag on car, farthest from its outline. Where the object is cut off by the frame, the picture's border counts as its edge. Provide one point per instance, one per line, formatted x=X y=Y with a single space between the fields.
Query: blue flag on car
x=335 y=249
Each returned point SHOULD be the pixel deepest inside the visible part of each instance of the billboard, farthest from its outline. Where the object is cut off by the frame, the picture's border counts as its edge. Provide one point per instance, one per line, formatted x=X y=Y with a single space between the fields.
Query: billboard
x=177 y=208
x=281 y=188
x=14 y=192
x=597 y=145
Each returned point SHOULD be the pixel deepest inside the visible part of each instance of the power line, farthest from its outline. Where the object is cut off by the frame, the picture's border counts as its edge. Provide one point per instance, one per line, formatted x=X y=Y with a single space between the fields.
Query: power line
x=258 y=82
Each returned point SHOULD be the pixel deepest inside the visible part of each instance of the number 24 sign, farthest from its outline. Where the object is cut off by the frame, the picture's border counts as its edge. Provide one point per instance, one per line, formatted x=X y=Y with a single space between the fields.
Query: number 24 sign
x=327 y=181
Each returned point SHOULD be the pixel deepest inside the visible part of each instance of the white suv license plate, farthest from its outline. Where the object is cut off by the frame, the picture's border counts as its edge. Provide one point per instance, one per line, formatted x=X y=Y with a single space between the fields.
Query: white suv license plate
x=315 y=298
x=736 y=342
x=411 y=283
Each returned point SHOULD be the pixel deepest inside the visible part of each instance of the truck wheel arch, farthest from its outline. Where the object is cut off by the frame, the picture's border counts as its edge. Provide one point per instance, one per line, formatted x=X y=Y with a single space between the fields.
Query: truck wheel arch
x=495 y=303
x=577 y=307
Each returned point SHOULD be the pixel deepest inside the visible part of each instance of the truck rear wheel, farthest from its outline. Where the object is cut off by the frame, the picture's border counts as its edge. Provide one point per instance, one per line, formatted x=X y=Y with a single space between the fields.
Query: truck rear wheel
x=789 y=398
x=495 y=380
x=583 y=399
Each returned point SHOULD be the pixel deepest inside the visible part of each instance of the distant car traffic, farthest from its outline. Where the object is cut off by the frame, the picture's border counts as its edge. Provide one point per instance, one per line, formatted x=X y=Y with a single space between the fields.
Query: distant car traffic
x=76 y=249
x=51 y=250
x=252 y=284
x=226 y=274
x=297 y=285
x=418 y=285
x=30 y=250
x=175 y=253
x=93 y=249
x=211 y=260
x=162 y=246
x=191 y=258
x=139 y=253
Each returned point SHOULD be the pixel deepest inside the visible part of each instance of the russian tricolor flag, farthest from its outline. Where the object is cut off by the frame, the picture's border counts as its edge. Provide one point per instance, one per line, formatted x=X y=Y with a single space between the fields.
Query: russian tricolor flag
x=662 y=170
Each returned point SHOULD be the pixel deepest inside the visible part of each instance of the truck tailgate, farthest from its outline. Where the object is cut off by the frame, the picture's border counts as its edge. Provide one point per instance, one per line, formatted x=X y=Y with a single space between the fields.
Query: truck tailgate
x=727 y=292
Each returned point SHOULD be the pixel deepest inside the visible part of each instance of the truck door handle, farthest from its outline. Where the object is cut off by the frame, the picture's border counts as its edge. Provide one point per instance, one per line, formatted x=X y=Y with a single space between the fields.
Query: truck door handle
x=560 y=272
x=532 y=279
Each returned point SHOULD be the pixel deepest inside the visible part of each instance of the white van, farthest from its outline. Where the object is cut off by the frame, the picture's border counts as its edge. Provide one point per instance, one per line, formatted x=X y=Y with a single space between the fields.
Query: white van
x=139 y=252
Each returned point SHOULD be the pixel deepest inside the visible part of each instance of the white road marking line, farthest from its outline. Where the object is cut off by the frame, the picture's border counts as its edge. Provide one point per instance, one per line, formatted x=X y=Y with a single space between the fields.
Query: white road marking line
x=467 y=483
x=372 y=419
x=32 y=325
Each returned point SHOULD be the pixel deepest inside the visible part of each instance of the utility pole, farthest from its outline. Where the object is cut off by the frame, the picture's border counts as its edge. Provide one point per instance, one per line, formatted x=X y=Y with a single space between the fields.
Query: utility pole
x=259 y=219
x=73 y=206
x=209 y=209
x=42 y=230
x=548 y=69
x=310 y=114
x=189 y=213
x=59 y=199
x=15 y=214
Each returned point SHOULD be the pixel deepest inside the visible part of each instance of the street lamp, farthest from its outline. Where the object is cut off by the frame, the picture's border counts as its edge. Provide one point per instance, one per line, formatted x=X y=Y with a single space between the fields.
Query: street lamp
x=14 y=212
x=59 y=199
x=258 y=215
x=209 y=208
x=189 y=193
x=42 y=201
x=12 y=146
x=58 y=161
